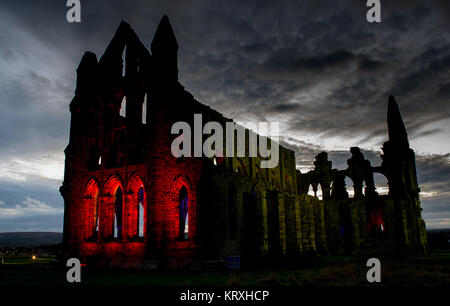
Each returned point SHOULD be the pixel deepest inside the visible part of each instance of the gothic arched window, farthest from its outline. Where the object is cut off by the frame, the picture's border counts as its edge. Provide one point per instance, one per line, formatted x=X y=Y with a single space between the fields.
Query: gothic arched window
x=91 y=214
x=183 y=209
x=118 y=205
x=140 y=222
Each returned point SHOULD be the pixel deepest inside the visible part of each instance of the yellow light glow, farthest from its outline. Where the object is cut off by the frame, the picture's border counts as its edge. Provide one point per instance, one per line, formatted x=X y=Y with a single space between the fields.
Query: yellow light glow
x=33 y=257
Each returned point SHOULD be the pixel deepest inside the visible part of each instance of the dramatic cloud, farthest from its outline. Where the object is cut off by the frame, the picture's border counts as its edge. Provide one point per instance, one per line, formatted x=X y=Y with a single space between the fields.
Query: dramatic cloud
x=317 y=67
x=29 y=206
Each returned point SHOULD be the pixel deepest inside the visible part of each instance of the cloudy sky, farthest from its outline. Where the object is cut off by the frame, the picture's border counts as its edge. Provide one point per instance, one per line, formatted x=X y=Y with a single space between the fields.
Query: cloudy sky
x=316 y=66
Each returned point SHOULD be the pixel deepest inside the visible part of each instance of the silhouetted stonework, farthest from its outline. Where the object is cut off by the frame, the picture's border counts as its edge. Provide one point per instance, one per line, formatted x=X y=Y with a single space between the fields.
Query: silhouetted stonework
x=126 y=196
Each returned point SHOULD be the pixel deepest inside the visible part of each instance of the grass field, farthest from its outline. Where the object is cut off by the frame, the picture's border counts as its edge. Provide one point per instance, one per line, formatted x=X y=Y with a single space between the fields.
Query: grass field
x=433 y=270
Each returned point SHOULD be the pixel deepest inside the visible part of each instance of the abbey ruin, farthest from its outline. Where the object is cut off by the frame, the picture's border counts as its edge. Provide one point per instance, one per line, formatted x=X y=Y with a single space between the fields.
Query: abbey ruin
x=128 y=200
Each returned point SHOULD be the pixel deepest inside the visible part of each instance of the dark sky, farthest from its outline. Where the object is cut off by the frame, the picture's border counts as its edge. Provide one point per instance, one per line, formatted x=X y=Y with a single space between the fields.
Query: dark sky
x=317 y=67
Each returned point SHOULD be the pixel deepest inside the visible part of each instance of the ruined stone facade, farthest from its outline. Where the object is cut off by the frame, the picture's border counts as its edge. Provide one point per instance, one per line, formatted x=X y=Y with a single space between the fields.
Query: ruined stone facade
x=129 y=201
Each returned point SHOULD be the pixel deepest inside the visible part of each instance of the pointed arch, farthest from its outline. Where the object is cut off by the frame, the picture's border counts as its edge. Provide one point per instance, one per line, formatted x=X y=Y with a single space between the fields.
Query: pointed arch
x=181 y=197
x=118 y=213
x=123 y=107
x=111 y=210
x=311 y=191
x=319 y=192
x=136 y=208
x=350 y=187
x=179 y=182
x=375 y=211
x=124 y=62
x=183 y=201
x=381 y=183
x=111 y=185
x=144 y=110
x=90 y=210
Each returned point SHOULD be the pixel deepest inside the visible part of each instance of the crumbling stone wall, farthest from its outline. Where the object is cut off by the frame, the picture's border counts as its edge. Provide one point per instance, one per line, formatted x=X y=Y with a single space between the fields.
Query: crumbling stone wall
x=235 y=207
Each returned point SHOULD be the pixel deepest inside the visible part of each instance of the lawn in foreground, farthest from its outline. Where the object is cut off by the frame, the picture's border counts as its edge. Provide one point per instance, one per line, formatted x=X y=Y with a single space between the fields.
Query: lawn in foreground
x=433 y=270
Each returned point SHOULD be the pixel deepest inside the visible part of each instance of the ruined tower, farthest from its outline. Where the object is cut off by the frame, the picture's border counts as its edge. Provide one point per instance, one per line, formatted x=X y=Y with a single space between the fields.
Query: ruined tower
x=164 y=49
x=399 y=166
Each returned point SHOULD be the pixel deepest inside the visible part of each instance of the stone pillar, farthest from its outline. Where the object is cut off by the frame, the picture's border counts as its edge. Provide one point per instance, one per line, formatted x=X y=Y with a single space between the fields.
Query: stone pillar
x=264 y=243
x=282 y=222
x=298 y=225
x=106 y=217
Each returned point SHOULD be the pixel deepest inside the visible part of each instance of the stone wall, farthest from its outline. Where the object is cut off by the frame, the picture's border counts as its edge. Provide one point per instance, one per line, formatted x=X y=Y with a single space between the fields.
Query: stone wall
x=233 y=205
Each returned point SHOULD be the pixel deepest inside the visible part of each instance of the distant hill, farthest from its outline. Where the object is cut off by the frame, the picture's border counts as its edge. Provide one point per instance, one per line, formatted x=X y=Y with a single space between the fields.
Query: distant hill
x=439 y=239
x=439 y=231
x=29 y=239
